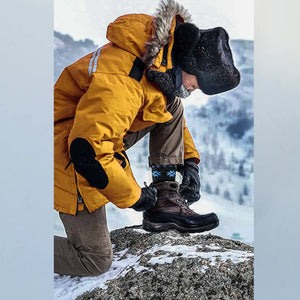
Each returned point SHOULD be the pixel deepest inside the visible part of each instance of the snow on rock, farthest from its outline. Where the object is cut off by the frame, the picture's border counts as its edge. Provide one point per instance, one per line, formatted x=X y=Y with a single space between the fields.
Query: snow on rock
x=67 y=287
x=167 y=265
x=195 y=251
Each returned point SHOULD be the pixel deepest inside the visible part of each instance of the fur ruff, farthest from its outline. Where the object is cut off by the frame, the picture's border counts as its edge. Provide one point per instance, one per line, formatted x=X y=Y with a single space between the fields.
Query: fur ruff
x=162 y=22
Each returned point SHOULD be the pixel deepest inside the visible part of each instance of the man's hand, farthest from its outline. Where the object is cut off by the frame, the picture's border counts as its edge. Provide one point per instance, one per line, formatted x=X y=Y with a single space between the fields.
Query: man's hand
x=147 y=200
x=190 y=186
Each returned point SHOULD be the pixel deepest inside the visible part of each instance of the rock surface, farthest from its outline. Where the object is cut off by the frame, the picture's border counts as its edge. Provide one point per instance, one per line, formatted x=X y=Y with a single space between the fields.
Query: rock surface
x=172 y=265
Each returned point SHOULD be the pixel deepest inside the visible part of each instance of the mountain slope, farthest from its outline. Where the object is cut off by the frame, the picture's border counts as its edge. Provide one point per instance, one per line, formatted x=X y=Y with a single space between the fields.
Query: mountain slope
x=67 y=51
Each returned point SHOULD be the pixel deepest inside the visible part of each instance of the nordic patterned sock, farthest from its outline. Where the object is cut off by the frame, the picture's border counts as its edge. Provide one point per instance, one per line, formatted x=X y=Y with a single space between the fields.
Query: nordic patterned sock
x=163 y=173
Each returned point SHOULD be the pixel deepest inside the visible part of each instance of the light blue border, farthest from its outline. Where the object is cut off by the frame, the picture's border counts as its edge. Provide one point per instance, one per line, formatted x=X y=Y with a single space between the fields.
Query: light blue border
x=26 y=164
x=26 y=175
x=277 y=150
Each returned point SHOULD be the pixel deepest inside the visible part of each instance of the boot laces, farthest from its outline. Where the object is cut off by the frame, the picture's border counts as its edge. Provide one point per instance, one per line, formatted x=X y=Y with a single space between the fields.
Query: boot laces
x=180 y=200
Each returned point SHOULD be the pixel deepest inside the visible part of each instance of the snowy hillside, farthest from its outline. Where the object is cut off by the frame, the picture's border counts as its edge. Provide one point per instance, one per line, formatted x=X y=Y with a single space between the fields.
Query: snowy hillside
x=222 y=130
x=223 y=133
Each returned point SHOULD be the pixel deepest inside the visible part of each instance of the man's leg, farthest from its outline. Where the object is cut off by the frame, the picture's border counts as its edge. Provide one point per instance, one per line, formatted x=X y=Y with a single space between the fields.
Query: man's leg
x=87 y=250
x=166 y=145
x=166 y=139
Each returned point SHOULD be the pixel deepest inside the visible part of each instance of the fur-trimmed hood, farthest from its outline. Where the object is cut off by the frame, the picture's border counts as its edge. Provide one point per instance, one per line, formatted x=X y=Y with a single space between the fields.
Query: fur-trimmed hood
x=144 y=35
x=163 y=17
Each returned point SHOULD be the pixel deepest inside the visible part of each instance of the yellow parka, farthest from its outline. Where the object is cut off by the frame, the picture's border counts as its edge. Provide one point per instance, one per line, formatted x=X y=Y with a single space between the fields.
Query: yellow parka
x=98 y=100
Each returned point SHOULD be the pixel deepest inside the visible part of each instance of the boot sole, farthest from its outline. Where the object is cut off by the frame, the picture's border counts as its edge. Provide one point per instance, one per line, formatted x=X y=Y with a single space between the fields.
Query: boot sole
x=160 y=227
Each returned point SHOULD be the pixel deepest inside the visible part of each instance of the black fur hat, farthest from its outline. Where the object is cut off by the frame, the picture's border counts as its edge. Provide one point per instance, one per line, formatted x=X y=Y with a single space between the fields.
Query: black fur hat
x=206 y=54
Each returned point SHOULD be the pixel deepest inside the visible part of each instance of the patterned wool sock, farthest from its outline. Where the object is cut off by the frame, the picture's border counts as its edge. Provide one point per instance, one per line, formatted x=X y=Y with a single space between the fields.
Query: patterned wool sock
x=163 y=173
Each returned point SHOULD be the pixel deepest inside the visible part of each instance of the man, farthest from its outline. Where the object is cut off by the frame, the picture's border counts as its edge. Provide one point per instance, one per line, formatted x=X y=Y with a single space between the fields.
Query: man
x=105 y=103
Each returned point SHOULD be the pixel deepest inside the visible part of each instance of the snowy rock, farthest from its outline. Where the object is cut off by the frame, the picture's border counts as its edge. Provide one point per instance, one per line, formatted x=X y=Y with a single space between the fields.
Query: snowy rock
x=168 y=265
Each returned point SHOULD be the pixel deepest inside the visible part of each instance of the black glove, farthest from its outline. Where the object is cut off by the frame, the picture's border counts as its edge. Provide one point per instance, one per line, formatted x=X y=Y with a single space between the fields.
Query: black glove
x=190 y=185
x=147 y=200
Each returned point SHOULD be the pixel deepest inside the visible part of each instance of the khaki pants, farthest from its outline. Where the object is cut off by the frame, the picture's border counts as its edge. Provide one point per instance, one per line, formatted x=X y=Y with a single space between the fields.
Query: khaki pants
x=166 y=139
x=87 y=249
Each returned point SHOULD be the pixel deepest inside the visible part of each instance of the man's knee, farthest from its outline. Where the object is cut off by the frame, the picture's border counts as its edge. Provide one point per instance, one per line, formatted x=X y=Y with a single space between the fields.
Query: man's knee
x=99 y=262
x=105 y=263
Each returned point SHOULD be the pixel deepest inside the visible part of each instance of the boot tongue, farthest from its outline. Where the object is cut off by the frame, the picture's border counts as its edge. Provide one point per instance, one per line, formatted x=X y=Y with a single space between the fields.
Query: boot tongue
x=174 y=186
x=171 y=189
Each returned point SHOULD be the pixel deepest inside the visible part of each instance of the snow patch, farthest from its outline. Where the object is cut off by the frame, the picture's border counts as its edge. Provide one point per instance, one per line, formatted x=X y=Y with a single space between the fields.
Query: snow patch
x=67 y=287
x=140 y=231
x=236 y=256
x=213 y=247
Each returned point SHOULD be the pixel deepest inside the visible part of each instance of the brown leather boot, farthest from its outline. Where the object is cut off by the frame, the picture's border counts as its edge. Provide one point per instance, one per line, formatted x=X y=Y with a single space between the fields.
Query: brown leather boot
x=172 y=212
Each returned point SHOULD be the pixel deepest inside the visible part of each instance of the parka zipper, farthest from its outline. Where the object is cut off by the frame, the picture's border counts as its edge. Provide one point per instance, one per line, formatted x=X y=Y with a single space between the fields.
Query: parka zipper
x=165 y=55
x=79 y=197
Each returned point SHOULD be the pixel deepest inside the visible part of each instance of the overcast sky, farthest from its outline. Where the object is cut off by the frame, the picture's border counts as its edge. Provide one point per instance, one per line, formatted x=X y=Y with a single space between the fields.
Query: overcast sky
x=89 y=18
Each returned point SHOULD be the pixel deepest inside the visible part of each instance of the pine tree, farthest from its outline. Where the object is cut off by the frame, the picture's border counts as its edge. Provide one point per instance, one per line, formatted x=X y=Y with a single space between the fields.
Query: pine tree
x=215 y=143
x=241 y=200
x=232 y=163
x=241 y=170
x=246 y=190
x=217 y=190
x=208 y=188
x=221 y=163
x=227 y=195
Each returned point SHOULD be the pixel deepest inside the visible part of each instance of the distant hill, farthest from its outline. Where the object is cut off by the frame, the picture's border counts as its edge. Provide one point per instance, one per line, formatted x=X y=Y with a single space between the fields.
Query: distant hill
x=67 y=51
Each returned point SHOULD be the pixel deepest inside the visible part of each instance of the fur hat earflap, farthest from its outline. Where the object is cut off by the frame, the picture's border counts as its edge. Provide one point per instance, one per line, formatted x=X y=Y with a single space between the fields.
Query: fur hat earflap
x=186 y=37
